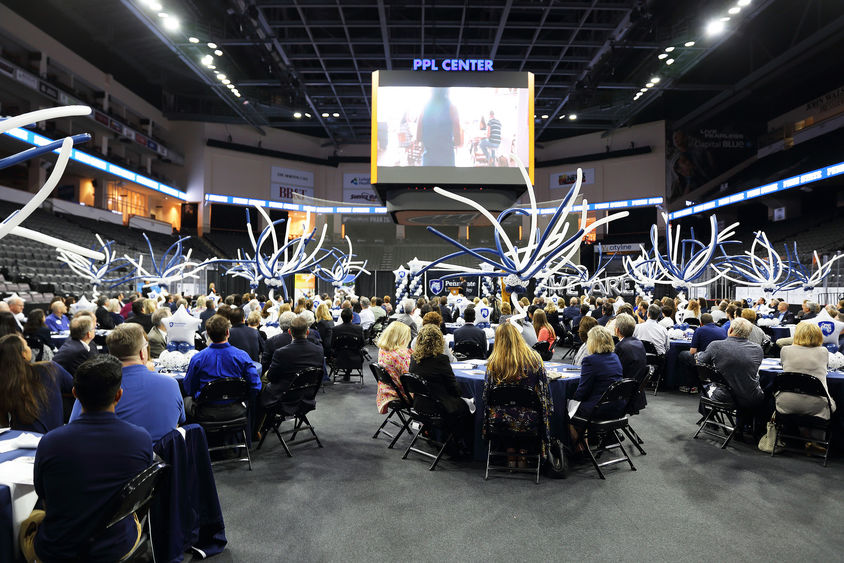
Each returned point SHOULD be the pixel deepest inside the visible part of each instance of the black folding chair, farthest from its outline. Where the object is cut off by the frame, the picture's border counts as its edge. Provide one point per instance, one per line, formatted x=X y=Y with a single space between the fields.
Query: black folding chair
x=232 y=390
x=468 y=350
x=575 y=347
x=133 y=498
x=400 y=407
x=635 y=439
x=693 y=322
x=601 y=430
x=720 y=415
x=295 y=403
x=544 y=349
x=376 y=329
x=802 y=384
x=430 y=414
x=656 y=364
x=347 y=354
x=525 y=399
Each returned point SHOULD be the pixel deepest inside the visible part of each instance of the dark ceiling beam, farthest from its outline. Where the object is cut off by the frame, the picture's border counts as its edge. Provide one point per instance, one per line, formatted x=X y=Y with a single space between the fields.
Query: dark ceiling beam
x=331 y=24
x=410 y=57
x=454 y=4
x=462 y=27
x=385 y=33
x=243 y=110
x=536 y=34
x=502 y=22
x=803 y=51
x=473 y=42
x=352 y=52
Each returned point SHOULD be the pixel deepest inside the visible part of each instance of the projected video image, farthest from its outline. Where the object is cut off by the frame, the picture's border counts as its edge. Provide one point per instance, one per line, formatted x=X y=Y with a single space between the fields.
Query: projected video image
x=467 y=127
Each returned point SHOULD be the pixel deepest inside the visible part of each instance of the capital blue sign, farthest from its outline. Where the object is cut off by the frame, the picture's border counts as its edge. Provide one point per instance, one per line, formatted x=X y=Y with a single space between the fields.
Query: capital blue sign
x=448 y=65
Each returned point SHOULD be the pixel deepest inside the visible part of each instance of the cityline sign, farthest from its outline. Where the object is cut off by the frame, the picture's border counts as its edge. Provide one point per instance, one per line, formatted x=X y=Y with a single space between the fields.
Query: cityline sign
x=449 y=65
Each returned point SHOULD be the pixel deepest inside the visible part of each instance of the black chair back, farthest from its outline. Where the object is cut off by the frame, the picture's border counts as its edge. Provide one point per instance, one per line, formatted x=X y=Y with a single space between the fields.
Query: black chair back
x=802 y=383
x=36 y=345
x=468 y=350
x=424 y=402
x=383 y=376
x=224 y=389
x=692 y=321
x=513 y=396
x=347 y=351
x=544 y=350
x=304 y=387
x=707 y=373
x=620 y=390
x=650 y=349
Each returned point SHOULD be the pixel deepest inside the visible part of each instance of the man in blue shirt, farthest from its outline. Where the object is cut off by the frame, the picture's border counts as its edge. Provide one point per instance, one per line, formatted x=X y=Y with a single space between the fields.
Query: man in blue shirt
x=150 y=400
x=219 y=360
x=707 y=333
x=80 y=467
x=57 y=320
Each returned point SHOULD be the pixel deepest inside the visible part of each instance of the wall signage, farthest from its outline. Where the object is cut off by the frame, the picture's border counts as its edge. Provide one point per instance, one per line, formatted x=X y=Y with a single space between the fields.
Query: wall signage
x=465 y=65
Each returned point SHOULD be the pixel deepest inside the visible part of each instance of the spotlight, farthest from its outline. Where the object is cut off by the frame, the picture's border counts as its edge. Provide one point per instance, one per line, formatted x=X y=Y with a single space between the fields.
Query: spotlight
x=218 y=52
x=307 y=114
x=297 y=115
x=643 y=90
x=230 y=86
x=573 y=117
x=212 y=45
x=725 y=19
x=733 y=11
x=193 y=39
x=227 y=82
x=221 y=76
x=163 y=15
x=236 y=93
x=325 y=114
x=649 y=85
x=172 y=24
x=669 y=49
x=335 y=114
x=669 y=62
x=689 y=44
x=212 y=67
x=544 y=116
x=154 y=6
x=563 y=116
x=715 y=27
x=656 y=79
x=206 y=60
x=743 y=3
x=662 y=56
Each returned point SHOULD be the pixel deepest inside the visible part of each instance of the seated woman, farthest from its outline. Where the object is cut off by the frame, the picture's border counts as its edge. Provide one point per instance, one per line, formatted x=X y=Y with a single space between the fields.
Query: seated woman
x=806 y=355
x=544 y=330
x=114 y=307
x=692 y=311
x=325 y=326
x=8 y=324
x=586 y=324
x=429 y=363
x=394 y=356
x=600 y=369
x=37 y=335
x=30 y=394
x=513 y=362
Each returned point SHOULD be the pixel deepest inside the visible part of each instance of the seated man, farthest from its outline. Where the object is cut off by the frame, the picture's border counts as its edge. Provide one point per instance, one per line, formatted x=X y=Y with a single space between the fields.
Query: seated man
x=367 y=317
x=219 y=360
x=652 y=331
x=209 y=312
x=809 y=312
x=158 y=334
x=301 y=353
x=140 y=316
x=738 y=360
x=80 y=467
x=571 y=312
x=706 y=333
x=783 y=315
x=80 y=346
x=631 y=353
x=719 y=312
x=757 y=335
x=104 y=319
x=245 y=337
x=607 y=314
x=405 y=317
x=57 y=320
x=150 y=400
x=469 y=332
x=283 y=338
x=378 y=310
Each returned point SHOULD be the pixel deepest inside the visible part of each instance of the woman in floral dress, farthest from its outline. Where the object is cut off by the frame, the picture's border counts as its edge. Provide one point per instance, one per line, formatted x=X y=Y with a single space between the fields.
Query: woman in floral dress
x=394 y=356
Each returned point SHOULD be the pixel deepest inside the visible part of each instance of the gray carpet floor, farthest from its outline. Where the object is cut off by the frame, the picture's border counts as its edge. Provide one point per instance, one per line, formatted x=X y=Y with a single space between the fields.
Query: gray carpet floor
x=355 y=500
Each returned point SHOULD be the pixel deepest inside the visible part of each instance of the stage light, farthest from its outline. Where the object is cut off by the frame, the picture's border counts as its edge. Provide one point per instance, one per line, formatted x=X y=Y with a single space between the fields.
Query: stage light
x=172 y=24
x=669 y=49
x=662 y=56
x=297 y=115
x=573 y=117
x=236 y=93
x=193 y=39
x=154 y=6
x=689 y=44
x=715 y=27
x=669 y=62
x=207 y=59
x=656 y=79
x=212 y=45
x=218 y=52
x=733 y=11
x=325 y=114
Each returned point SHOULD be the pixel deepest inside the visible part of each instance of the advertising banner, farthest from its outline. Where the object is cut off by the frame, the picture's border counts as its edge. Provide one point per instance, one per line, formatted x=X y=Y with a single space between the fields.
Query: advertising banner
x=304 y=285
x=565 y=180
x=286 y=182
x=357 y=190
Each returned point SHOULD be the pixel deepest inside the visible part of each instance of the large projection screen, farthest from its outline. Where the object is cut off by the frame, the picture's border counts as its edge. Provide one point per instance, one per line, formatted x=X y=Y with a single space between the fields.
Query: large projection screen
x=453 y=128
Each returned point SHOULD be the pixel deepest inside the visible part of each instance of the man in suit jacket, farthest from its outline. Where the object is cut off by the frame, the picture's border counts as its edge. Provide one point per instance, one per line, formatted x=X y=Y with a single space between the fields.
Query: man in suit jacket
x=571 y=312
x=245 y=337
x=347 y=327
x=209 y=312
x=785 y=316
x=138 y=315
x=300 y=354
x=158 y=333
x=80 y=346
x=405 y=317
x=631 y=353
x=104 y=318
x=283 y=338
x=607 y=316
x=469 y=332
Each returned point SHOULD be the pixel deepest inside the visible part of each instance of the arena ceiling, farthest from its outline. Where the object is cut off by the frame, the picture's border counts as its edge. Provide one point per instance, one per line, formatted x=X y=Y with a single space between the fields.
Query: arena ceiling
x=590 y=57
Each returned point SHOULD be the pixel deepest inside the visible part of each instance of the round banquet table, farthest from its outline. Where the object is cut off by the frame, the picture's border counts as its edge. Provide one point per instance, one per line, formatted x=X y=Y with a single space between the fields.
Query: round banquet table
x=16 y=502
x=471 y=379
x=672 y=377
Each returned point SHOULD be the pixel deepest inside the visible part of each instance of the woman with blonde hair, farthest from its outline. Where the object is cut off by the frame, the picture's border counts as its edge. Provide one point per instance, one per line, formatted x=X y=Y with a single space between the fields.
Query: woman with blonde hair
x=692 y=311
x=325 y=326
x=394 y=356
x=806 y=355
x=513 y=362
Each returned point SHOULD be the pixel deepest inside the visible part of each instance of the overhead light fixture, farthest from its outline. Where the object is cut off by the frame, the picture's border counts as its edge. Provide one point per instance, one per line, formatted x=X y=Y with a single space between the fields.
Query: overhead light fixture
x=724 y=19
x=212 y=67
x=743 y=3
x=669 y=62
x=221 y=76
x=236 y=93
x=544 y=116
x=218 y=52
x=229 y=85
x=307 y=114
x=643 y=90
x=669 y=49
x=154 y=6
x=649 y=85
x=163 y=15
x=573 y=117
x=207 y=60
x=562 y=116
x=172 y=24
x=689 y=44
x=212 y=45
x=335 y=114
x=655 y=79
x=734 y=10
x=226 y=81
x=715 y=27
x=297 y=115
x=662 y=56
x=193 y=39
x=325 y=114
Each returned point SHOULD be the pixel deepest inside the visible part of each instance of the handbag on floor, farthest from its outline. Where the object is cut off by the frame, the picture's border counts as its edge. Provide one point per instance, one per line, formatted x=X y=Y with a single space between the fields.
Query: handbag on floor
x=766 y=442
